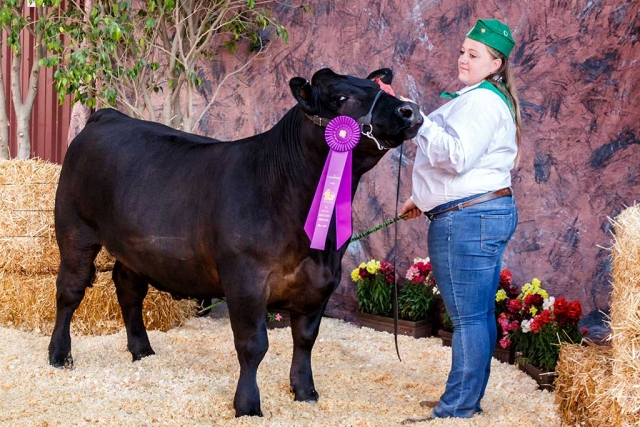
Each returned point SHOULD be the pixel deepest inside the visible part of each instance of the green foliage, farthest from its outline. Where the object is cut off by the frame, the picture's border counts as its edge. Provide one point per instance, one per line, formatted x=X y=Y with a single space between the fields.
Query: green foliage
x=95 y=45
x=542 y=349
x=375 y=296
x=46 y=24
x=414 y=301
x=124 y=54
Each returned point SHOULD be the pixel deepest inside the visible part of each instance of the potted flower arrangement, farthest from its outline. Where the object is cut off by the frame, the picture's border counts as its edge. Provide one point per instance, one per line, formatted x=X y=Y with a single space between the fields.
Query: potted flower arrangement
x=374 y=281
x=536 y=323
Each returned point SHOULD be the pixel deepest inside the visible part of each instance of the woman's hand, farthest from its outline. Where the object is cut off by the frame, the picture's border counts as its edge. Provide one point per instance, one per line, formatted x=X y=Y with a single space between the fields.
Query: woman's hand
x=410 y=208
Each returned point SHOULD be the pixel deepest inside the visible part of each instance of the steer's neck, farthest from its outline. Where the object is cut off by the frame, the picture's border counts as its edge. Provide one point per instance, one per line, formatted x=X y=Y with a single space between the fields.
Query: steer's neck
x=298 y=150
x=291 y=159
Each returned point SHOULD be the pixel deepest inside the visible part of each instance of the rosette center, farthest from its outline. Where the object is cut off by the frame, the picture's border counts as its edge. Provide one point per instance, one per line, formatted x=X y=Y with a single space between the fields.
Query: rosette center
x=342 y=133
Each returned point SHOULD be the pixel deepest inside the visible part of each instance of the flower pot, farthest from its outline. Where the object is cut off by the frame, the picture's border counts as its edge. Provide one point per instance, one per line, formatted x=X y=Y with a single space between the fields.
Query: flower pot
x=446 y=337
x=505 y=355
x=545 y=380
x=419 y=329
x=285 y=322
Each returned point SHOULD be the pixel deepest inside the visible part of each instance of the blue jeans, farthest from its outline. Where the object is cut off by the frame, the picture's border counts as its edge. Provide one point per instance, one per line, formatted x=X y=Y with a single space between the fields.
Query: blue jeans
x=466 y=248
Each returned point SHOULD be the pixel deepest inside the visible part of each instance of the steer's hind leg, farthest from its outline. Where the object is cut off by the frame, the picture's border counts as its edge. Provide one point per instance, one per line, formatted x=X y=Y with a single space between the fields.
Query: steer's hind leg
x=76 y=272
x=304 y=329
x=131 y=290
x=249 y=327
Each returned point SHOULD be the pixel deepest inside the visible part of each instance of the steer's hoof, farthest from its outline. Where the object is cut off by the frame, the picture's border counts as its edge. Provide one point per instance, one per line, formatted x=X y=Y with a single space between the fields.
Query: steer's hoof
x=251 y=413
x=310 y=395
x=61 y=361
x=140 y=354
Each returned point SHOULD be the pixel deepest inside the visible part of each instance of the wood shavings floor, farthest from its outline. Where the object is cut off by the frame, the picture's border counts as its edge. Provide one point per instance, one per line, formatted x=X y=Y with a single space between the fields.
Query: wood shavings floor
x=192 y=379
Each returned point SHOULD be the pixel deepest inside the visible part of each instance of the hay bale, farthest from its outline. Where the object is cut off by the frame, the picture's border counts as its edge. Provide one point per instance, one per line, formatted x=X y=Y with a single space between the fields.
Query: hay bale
x=584 y=386
x=625 y=312
x=27 y=235
x=601 y=385
x=28 y=303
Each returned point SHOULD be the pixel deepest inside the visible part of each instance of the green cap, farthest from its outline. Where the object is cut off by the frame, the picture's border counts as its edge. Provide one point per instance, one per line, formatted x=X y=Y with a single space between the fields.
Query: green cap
x=493 y=33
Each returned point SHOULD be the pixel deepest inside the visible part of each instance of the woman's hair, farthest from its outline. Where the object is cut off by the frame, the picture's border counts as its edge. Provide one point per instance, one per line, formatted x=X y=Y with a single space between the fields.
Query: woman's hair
x=505 y=75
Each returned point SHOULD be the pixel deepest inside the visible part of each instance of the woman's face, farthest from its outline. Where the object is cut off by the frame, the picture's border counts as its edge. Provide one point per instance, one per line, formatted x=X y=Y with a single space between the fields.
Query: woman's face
x=475 y=62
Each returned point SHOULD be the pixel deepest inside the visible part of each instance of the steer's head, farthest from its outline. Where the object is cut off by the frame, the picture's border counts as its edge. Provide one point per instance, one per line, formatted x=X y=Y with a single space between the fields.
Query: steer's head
x=329 y=95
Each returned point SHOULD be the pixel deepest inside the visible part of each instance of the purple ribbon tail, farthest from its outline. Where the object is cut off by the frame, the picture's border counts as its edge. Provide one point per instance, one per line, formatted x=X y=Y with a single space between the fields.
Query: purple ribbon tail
x=343 y=206
x=327 y=193
x=312 y=216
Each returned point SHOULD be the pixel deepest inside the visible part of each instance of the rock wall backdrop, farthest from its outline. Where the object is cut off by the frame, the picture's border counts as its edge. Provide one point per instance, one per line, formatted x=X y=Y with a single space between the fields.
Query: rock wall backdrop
x=578 y=77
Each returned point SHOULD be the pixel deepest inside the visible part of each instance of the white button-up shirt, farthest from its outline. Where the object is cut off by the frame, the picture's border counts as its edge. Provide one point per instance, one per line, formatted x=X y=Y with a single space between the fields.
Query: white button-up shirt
x=465 y=147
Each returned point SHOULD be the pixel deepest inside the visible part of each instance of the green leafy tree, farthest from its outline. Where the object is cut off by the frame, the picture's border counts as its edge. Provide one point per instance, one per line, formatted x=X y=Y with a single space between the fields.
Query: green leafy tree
x=44 y=28
x=143 y=54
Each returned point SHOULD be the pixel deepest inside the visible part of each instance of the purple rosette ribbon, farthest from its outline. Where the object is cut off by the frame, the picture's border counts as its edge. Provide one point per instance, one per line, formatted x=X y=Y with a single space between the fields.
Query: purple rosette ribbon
x=334 y=189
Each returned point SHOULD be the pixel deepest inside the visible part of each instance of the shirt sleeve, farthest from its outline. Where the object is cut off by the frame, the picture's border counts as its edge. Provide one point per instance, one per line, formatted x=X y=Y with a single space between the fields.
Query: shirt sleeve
x=464 y=136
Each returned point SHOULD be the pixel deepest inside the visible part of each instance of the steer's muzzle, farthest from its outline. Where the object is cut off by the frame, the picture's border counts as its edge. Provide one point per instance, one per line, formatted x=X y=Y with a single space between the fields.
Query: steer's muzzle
x=410 y=113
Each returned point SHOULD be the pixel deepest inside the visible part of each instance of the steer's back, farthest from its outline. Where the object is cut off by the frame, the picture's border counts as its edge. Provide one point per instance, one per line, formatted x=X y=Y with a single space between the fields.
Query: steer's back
x=136 y=187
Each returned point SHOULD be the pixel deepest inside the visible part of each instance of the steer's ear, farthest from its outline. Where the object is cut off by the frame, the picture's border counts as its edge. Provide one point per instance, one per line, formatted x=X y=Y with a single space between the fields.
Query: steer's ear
x=384 y=74
x=302 y=92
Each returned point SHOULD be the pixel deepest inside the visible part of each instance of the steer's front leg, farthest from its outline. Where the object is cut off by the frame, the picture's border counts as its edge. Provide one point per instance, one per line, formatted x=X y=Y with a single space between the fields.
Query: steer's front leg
x=251 y=342
x=304 y=329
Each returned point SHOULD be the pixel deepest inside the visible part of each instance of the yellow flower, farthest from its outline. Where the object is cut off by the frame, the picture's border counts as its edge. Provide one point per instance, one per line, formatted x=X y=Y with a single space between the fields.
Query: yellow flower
x=535 y=282
x=355 y=274
x=373 y=266
x=501 y=295
x=533 y=311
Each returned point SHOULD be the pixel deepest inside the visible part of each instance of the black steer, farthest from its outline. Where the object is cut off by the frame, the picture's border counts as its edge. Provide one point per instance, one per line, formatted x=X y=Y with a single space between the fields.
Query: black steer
x=201 y=218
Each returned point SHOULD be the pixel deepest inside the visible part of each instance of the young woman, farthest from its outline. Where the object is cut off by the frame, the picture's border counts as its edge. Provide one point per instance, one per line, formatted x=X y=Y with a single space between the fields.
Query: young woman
x=461 y=181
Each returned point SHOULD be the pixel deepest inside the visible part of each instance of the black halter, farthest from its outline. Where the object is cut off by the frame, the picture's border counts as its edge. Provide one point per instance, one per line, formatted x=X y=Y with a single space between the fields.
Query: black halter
x=362 y=121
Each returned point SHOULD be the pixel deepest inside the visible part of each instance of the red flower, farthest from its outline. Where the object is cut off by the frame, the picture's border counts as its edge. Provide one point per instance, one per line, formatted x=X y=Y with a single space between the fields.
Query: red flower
x=514 y=305
x=506 y=277
x=545 y=317
x=533 y=300
x=585 y=331
x=574 y=311
x=386 y=269
x=560 y=307
x=536 y=325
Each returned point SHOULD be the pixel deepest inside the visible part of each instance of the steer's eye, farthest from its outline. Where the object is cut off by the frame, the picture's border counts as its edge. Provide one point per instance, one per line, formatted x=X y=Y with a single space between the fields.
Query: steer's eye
x=339 y=100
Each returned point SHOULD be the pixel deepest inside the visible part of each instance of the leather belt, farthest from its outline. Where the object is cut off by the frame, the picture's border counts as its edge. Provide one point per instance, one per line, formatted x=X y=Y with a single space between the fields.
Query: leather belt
x=484 y=198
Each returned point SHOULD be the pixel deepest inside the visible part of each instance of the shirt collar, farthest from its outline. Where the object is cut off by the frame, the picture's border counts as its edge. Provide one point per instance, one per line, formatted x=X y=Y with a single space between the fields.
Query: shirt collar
x=468 y=88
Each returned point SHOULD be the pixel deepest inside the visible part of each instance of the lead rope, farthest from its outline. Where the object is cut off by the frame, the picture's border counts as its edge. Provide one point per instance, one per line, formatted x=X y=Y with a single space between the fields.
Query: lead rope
x=395 y=255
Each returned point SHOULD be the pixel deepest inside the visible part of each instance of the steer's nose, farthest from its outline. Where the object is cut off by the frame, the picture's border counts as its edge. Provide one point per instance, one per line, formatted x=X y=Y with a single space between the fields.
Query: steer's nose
x=408 y=111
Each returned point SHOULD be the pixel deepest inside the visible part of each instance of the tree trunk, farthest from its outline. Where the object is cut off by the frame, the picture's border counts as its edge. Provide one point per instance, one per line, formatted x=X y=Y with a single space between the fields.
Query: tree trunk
x=24 y=106
x=79 y=116
x=79 y=113
x=4 y=118
x=24 y=138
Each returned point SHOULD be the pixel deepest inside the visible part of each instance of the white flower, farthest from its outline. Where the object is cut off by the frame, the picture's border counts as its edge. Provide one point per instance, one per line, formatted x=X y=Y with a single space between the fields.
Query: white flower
x=526 y=325
x=425 y=260
x=435 y=290
x=547 y=304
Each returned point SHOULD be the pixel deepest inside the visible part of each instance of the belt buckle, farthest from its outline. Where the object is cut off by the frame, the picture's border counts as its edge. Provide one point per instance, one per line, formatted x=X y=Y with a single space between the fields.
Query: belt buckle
x=430 y=216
